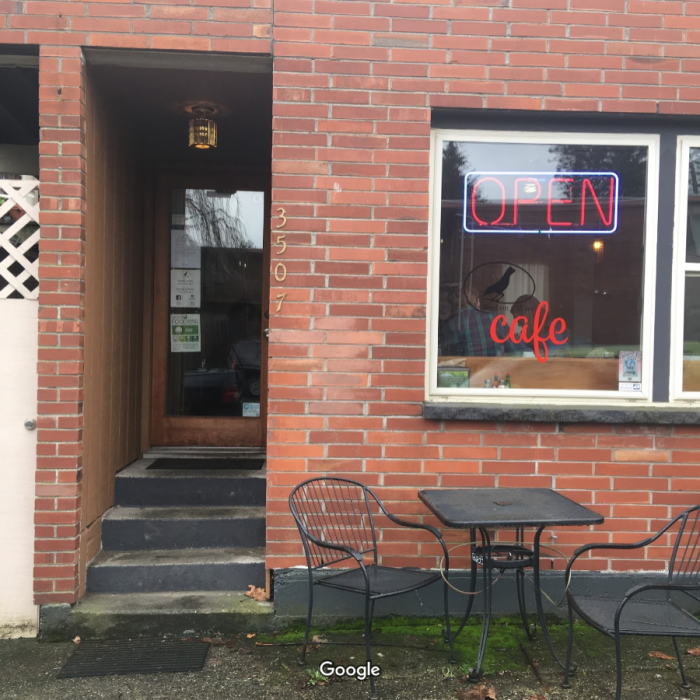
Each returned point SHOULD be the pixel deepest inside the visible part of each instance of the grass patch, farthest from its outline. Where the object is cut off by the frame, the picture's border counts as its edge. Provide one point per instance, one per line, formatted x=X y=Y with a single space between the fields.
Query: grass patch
x=502 y=652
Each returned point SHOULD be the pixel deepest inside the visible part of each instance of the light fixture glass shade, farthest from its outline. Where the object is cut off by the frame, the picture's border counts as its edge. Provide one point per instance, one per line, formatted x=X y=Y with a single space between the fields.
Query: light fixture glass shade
x=202 y=132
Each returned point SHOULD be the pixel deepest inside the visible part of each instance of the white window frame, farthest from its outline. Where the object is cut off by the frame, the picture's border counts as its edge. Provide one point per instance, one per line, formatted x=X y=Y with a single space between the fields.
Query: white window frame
x=680 y=268
x=536 y=396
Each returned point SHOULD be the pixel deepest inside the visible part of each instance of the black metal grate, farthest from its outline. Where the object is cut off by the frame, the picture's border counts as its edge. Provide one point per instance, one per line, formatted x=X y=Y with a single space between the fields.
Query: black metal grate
x=134 y=656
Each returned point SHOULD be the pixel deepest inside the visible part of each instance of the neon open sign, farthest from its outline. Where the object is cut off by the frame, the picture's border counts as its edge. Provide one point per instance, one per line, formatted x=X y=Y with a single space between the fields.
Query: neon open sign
x=539 y=202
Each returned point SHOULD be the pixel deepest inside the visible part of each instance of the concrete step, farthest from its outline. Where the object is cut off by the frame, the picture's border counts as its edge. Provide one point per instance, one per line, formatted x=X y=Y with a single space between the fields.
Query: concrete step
x=182 y=613
x=153 y=571
x=138 y=486
x=204 y=452
x=183 y=527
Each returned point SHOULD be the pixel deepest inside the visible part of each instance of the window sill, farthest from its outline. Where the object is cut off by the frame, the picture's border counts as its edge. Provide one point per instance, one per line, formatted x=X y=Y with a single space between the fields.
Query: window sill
x=672 y=415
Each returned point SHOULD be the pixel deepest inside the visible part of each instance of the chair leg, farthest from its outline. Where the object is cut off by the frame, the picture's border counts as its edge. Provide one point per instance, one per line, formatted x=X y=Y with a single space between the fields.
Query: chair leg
x=520 y=586
x=569 y=647
x=369 y=609
x=686 y=685
x=302 y=661
x=618 y=664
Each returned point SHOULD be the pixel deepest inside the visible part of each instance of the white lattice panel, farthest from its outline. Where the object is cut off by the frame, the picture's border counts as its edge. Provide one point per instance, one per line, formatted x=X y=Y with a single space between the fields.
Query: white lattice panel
x=19 y=261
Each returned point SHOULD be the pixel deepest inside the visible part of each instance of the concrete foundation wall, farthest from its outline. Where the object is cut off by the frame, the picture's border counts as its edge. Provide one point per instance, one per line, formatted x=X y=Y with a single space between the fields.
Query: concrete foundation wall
x=292 y=585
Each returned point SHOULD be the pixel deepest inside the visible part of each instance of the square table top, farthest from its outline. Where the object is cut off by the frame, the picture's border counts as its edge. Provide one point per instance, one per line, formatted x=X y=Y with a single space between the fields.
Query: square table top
x=506 y=507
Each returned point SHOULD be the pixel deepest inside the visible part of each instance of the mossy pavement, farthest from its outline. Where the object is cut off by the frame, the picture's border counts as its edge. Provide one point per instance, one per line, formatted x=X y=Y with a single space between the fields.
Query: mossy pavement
x=414 y=665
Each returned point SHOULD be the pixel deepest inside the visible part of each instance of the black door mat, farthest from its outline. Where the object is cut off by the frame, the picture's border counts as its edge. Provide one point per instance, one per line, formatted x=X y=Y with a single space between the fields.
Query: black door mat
x=208 y=463
x=119 y=657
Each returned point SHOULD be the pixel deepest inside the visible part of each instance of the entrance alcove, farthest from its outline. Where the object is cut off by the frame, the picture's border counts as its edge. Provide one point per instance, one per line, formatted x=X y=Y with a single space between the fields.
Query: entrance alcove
x=148 y=191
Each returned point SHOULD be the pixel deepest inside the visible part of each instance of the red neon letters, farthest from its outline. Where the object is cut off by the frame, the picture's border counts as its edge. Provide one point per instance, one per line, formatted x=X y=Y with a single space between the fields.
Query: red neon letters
x=532 y=336
x=536 y=202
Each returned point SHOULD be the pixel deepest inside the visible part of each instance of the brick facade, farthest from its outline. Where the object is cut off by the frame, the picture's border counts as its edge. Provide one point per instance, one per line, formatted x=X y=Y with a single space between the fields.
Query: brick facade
x=61 y=323
x=354 y=86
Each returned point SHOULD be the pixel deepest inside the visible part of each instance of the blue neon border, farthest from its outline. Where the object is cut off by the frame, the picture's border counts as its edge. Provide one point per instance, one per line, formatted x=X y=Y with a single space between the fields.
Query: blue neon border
x=533 y=173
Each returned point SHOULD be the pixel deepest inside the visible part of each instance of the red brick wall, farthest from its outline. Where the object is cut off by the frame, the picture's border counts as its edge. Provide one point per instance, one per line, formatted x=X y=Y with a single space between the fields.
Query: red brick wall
x=354 y=85
x=179 y=25
x=61 y=327
x=61 y=29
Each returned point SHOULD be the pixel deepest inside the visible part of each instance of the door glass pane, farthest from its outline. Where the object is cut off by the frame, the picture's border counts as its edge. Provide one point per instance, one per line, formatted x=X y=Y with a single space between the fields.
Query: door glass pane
x=215 y=319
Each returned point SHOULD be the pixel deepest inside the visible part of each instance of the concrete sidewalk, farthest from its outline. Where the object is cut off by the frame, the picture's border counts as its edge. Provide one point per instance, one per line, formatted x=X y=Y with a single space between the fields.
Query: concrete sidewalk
x=414 y=666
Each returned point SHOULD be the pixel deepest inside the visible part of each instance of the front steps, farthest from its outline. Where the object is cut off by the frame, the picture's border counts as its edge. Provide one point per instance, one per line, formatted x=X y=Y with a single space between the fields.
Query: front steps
x=182 y=543
x=182 y=527
x=186 y=614
x=166 y=570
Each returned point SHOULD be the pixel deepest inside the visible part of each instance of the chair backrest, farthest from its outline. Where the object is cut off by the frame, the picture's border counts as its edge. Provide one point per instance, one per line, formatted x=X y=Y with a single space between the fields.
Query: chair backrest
x=684 y=566
x=336 y=511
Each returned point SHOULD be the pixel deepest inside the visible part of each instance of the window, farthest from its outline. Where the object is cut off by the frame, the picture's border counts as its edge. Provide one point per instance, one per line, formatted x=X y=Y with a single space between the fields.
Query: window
x=686 y=327
x=543 y=265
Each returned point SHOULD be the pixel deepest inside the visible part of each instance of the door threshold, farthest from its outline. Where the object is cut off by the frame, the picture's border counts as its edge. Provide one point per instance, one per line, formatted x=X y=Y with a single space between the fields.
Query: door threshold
x=204 y=452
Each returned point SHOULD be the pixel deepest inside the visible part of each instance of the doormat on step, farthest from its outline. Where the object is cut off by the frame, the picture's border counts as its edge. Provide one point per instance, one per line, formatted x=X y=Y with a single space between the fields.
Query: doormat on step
x=208 y=463
x=118 y=657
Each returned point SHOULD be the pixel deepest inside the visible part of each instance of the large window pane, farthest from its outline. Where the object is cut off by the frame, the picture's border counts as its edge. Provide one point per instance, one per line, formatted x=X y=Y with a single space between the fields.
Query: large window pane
x=541 y=265
x=691 y=333
x=693 y=231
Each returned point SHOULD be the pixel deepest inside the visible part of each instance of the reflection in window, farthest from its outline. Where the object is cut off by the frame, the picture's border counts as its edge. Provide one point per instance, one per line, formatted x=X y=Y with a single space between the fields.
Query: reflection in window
x=691 y=315
x=541 y=266
x=216 y=300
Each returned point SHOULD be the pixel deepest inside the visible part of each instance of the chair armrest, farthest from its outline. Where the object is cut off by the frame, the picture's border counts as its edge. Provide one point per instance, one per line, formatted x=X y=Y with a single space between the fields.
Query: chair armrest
x=417 y=526
x=338 y=547
x=612 y=546
x=409 y=523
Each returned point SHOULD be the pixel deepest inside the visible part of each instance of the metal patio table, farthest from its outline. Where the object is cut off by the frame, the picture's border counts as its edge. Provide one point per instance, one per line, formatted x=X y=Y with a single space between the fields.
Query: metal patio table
x=499 y=508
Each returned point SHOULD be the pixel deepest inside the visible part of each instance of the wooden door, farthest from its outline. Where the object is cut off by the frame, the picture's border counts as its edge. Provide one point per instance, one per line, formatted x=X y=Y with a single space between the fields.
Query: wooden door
x=211 y=289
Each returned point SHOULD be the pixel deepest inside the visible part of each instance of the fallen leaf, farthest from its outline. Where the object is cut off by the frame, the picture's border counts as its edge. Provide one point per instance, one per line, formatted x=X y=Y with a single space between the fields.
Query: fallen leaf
x=218 y=642
x=318 y=639
x=250 y=635
x=478 y=692
x=208 y=640
x=76 y=640
x=661 y=655
x=256 y=593
x=694 y=652
x=536 y=697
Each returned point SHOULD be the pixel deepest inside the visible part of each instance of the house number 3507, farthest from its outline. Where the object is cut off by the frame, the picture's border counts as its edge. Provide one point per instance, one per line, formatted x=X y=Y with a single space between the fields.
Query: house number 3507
x=281 y=269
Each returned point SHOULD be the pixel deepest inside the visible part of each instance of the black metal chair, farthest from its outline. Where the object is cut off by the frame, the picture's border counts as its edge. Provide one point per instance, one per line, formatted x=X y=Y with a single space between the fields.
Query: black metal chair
x=336 y=524
x=637 y=614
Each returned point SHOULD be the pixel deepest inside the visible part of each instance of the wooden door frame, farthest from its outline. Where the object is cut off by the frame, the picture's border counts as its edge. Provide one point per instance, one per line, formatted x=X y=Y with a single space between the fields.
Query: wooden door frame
x=185 y=430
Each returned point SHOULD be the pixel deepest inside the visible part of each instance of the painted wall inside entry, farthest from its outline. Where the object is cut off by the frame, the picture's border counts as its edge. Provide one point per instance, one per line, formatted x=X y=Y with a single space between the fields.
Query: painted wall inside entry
x=18 y=380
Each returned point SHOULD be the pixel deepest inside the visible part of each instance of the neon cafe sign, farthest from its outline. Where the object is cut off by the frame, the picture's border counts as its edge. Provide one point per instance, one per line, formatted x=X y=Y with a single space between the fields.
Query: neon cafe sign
x=541 y=202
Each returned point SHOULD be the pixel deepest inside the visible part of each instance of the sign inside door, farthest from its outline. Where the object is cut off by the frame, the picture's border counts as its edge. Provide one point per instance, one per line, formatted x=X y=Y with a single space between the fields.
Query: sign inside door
x=184 y=251
x=185 y=333
x=186 y=288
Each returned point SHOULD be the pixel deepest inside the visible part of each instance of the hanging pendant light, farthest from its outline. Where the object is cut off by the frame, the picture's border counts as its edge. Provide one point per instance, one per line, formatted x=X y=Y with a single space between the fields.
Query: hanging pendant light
x=202 y=128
